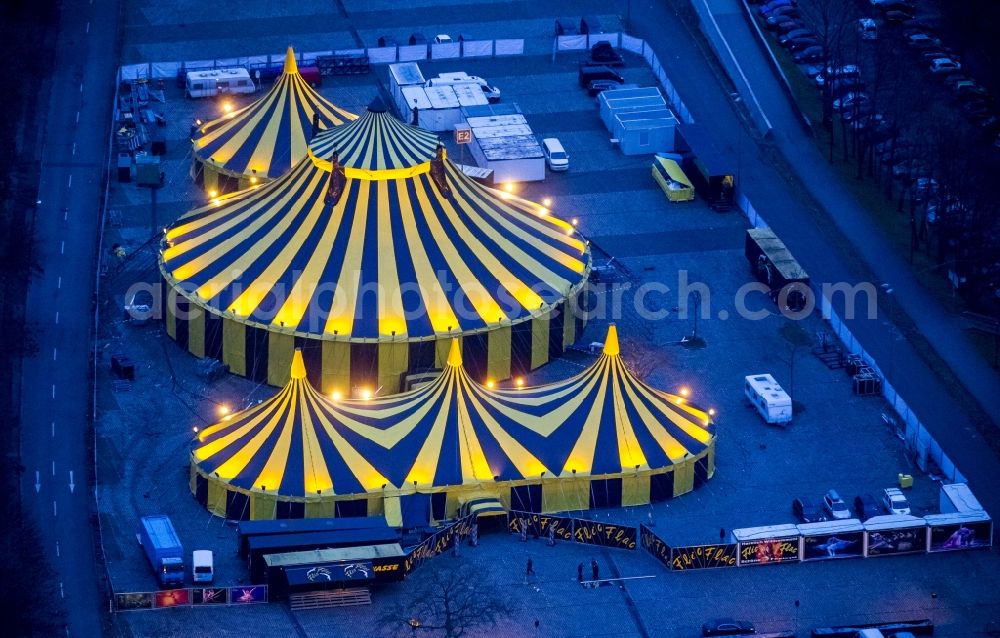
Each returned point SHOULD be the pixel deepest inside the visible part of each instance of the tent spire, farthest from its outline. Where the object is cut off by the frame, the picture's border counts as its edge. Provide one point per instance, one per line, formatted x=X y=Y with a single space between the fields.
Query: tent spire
x=298 y=365
x=290 y=65
x=455 y=354
x=611 y=341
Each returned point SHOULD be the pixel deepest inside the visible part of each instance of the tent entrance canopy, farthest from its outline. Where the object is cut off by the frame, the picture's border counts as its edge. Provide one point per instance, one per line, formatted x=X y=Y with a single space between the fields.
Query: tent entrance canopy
x=482 y=506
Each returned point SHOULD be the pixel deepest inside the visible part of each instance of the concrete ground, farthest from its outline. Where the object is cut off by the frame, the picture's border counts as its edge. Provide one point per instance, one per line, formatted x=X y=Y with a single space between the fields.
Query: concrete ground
x=837 y=440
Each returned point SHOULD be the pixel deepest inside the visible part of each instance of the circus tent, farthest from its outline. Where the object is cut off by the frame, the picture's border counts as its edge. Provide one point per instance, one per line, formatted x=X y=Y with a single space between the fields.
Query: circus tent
x=370 y=256
x=600 y=438
x=263 y=140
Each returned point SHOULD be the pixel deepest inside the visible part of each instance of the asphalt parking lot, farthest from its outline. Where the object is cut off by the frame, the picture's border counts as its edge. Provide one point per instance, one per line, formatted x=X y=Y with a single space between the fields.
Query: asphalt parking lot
x=838 y=440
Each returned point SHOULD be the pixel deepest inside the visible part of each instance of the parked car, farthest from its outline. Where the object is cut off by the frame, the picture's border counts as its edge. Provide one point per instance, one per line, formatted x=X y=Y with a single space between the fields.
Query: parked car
x=727 y=627
x=835 y=506
x=796 y=33
x=809 y=54
x=442 y=38
x=767 y=8
x=789 y=25
x=841 y=87
x=781 y=13
x=840 y=73
x=894 y=502
x=851 y=101
x=968 y=89
x=595 y=87
x=867 y=29
x=807 y=511
x=865 y=506
x=899 y=15
x=922 y=40
x=797 y=44
x=603 y=53
x=942 y=66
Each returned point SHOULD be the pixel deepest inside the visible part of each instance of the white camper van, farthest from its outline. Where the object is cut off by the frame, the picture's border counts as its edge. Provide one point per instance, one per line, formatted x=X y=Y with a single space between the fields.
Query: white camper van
x=492 y=93
x=769 y=399
x=218 y=81
x=202 y=566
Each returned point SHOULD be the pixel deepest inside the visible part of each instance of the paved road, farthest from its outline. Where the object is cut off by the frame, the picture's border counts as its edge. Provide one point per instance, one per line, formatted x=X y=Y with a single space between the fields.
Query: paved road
x=812 y=234
x=57 y=388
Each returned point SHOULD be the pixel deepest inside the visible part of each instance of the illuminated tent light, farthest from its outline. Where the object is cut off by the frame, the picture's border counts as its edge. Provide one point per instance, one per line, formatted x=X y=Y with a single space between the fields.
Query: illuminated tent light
x=266 y=138
x=547 y=202
x=373 y=242
x=711 y=412
x=452 y=435
x=519 y=382
x=366 y=394
x=335 y=395
x=490 y=383
x=685 y=391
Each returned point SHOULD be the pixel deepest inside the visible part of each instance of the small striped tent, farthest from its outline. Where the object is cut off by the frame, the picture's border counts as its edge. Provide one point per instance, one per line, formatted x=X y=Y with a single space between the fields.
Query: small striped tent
x=370 y=256
x=602 y=438
x=262 y=141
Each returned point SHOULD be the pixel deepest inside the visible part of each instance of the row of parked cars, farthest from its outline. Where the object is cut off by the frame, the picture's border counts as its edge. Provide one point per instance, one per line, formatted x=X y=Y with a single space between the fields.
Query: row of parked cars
x=833 y=507
x=783 y=18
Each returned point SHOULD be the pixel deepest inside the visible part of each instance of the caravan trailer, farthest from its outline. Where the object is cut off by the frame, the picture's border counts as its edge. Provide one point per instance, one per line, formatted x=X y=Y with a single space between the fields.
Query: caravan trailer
x=768 y=398
x=218 y=82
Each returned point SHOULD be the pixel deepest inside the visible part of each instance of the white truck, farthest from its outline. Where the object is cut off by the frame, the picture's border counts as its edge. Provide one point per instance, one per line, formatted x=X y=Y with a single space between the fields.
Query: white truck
x=218 y=81
x=492 y=93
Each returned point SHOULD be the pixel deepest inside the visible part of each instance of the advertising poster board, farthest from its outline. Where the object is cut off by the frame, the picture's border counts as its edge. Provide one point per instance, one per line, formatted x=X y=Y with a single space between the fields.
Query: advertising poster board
x=892 y=542
x=769 y=551
x=332 y=573
x=171 y=598
x=604 y=534
x=133 y=600
x=248 y=595
x=704 y=556
x=435 y=544
x=957 y=536
x=836 y=545
x=655 y=546
x=537 y=525
x=209 y=596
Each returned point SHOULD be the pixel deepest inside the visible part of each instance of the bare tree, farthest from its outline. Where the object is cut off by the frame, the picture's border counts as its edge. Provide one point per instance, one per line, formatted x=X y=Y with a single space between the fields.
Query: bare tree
x=442 y=600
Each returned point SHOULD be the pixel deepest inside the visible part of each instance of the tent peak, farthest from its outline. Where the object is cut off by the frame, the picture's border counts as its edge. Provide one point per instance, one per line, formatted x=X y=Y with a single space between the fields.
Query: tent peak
x=290 y=65
x=455 y=353
x=377 y=105
x=298 y=365
x=611 y=341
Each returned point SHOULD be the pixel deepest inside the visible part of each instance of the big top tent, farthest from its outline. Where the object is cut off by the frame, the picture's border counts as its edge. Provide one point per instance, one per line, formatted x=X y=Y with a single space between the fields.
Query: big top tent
x=600 y=438
x=370 y=256
x=263 y=140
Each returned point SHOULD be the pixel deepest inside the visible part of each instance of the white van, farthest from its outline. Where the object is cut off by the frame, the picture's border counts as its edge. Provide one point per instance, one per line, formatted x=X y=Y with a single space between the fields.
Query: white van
x=555 y=154
x=218 y=81
x=202 y=566
x=768 y=398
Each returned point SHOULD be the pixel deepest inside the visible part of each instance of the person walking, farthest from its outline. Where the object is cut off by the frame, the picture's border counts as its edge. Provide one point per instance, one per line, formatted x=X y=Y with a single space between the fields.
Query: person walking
x=595 y=570
x=530 y=569
x=579 y=573
x=722 y=534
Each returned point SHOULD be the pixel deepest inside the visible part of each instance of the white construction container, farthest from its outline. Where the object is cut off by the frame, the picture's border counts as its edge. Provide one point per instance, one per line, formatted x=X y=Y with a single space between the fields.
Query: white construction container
x=770 y=400
x=957 y=497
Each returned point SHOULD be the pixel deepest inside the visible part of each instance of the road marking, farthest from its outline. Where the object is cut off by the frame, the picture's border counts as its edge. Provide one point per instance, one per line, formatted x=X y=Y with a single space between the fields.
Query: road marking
x=53 y=468
x=65 y=214
x=38 y=481
x=58 y=552
x=53 y=429
x=74 y=148
x=59 y=283
x=88 y=27
x=63 y=595
x=62 y=247
x=78 y=117
x=57 y=316
x=53 y=390
x=55 y=510
x=54 y=353
x=72 y=485
x=81 y=87
x=69 y=183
